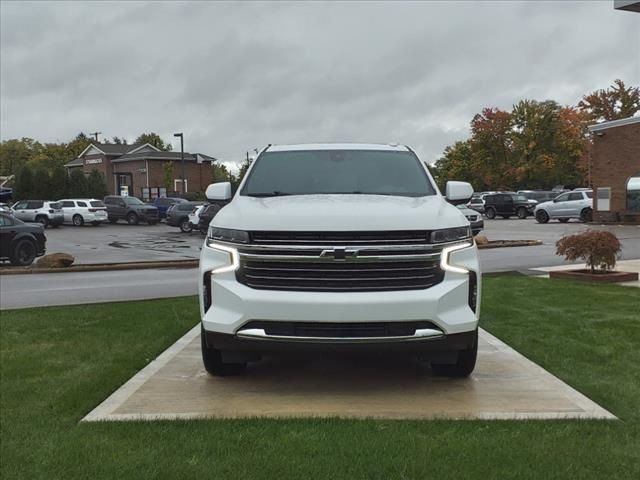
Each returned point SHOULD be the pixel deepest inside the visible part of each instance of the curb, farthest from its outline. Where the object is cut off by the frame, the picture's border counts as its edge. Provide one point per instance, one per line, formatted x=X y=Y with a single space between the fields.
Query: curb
x=509 y=243
x=102 y=267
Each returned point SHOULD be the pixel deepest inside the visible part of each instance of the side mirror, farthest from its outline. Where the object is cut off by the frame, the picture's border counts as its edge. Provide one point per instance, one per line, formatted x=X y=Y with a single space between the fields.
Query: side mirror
x=458 y=192
x=219 y=191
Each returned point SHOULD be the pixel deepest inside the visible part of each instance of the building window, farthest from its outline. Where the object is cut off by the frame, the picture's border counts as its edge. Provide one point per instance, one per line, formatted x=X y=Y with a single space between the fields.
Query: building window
x=633 y=194
x=604 y=199
x=177 y=185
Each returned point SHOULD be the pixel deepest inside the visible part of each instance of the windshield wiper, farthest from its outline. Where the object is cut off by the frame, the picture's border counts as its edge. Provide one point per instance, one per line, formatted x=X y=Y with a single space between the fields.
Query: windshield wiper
x=275 y=193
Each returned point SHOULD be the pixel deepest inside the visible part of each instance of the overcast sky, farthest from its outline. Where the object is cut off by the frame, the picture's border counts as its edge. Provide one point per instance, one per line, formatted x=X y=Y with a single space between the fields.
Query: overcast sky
x=234 y=76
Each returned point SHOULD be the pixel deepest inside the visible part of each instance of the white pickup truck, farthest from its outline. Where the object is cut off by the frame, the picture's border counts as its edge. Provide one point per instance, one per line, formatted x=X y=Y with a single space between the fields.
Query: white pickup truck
x=333 y=246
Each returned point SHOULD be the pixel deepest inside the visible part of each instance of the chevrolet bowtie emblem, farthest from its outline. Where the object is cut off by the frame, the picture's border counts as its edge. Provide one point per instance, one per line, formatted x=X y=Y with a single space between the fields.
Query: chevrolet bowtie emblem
x=339 y=253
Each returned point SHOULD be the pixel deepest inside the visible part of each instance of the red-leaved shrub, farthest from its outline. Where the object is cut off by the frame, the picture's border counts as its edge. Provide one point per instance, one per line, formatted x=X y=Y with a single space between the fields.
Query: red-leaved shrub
x=599 y=249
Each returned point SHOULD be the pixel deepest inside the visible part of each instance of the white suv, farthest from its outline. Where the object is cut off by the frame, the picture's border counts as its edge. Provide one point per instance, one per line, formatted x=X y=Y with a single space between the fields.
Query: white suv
x=339 y=246
x=43 y=212
x=576 y=204
x=83 y=210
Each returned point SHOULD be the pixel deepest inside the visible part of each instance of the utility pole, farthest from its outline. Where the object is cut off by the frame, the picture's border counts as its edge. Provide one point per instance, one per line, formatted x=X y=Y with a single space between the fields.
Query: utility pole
x=95 y=134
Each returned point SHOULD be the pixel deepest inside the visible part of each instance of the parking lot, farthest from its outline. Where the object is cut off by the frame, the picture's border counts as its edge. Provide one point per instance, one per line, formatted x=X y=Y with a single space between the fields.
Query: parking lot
x=128 y=243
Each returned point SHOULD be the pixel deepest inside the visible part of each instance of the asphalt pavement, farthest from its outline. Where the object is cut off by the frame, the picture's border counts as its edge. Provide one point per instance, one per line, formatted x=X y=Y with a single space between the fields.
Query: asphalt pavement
x=122 y=243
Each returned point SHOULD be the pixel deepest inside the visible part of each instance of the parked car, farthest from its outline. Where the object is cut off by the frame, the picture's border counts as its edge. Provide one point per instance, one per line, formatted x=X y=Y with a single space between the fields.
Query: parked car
x=539 y=196
x=131 y=209
x=44 y=212
x=474 y=217
x=83 y=210
x=194 y=216
x=6 y=194
x=476 y=203
x=206 y=215
x=178 y=215
x=4 y=208
x=576 y=204
x=164 y=203
x=507 y=205
x=339 y=246
x=20 y=242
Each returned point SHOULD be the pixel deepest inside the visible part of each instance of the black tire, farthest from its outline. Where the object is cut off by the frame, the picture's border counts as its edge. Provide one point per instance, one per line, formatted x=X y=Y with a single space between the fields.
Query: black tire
x=542 y=216
x=77 y=220
x=212 y=360
x=522 y=213
x=132 y=218
x=586 y=215
x=23 y=253
x=490 y=213
x=463 y=367
x=113 y=220
x=563 y=220
x=42 y=220
x=185 y=226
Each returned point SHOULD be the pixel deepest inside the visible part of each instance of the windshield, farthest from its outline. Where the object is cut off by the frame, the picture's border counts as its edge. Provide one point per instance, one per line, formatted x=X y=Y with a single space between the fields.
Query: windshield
x=363 y=172
x=133 y=201
x=521 y=198
x=96 y=203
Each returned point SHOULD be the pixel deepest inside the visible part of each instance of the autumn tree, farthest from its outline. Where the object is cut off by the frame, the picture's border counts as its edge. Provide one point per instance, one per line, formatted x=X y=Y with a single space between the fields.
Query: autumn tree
x=617 y=101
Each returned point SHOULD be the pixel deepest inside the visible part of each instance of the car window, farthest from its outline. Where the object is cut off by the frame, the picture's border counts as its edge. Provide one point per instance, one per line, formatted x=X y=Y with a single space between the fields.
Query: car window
x=82 y=204
x=589 y=194
x=520 y=198
x=562 y=198
x=5 y=221
x=96 y=203
x=109 y=201
x=34 y=204
x=55 y=205
x=575 y=196
x=67 y=203
x=133 y=201
x=20 y=206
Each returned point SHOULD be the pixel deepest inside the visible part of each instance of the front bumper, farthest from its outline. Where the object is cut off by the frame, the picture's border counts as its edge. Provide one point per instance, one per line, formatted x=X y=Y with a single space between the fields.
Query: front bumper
x=233 y=305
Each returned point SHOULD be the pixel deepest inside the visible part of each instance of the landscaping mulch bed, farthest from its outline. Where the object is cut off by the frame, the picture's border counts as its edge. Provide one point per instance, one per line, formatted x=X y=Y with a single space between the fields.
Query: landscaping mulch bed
x=587 y=275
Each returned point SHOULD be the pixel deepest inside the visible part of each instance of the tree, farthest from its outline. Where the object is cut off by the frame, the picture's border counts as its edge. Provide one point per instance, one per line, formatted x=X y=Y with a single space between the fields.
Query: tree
x=96 y=185
x=617 y=101
x=41 y=189
x=219 y=173
x=78 y=185
x=167 y=179
x=14 y=154
x=153 y=139
x=119 y=141
x=23 y=186
x=58 y=183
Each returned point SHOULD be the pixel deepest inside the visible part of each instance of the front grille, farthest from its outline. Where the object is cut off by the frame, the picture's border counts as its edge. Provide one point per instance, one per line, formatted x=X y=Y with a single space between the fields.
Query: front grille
x=403 y=237
x=381 y=265
x=340 y=330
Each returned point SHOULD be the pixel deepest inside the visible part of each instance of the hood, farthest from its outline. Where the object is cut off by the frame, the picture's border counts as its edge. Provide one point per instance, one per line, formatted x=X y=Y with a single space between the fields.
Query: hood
x=544 y=204
x=339 y=213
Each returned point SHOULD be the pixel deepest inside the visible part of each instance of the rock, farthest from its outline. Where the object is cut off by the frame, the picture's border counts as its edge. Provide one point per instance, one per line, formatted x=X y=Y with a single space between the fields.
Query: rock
x=55 y=260
x=481 y=240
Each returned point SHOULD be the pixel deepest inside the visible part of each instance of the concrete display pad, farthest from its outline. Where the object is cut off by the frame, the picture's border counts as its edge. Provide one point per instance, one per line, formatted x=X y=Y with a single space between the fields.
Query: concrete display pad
x=505 y=385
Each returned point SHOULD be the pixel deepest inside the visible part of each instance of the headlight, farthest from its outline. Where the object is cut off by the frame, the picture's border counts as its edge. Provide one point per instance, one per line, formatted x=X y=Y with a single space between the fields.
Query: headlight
x=227 y=235
x=451 y=234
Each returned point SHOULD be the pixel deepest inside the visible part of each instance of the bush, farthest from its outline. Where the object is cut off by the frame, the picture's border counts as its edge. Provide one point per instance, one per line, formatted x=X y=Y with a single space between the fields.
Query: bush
x=599 y=249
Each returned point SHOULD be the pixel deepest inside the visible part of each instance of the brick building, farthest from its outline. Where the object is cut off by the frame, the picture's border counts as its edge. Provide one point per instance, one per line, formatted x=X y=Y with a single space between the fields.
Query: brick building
x=139 y=170
x=615 y=170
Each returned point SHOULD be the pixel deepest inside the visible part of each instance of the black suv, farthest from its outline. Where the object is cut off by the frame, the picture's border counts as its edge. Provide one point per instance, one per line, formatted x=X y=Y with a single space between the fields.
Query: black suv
x=506 y=205
x=207 y=214
x=20 y=242
x=131 y=209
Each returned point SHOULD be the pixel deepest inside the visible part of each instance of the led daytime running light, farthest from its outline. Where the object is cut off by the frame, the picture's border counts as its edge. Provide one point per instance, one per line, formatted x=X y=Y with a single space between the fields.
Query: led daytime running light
x=444 y=258
x=233 y=253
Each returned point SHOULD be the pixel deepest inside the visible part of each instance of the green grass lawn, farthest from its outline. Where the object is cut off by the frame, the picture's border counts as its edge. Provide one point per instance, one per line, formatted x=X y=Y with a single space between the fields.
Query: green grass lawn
x=58 y=363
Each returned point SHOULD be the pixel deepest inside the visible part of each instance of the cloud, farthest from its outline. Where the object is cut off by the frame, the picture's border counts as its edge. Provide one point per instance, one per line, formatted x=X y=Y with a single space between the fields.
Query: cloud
x=235 y=76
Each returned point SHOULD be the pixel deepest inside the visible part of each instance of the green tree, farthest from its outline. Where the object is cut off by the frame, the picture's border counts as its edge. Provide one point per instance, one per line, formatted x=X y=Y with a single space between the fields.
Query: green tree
x=58 y=183
x=219 y=173
x=14 y=154
x=154 y=139
x=167 y=178
x=617 y=101
x=96 y=185
x=23 y=185
x=77 y=145
x=78 y=185
x=41 y=184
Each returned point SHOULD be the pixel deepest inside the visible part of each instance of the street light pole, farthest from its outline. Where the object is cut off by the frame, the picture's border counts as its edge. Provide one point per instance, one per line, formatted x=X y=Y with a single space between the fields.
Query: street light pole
x=181 y=158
